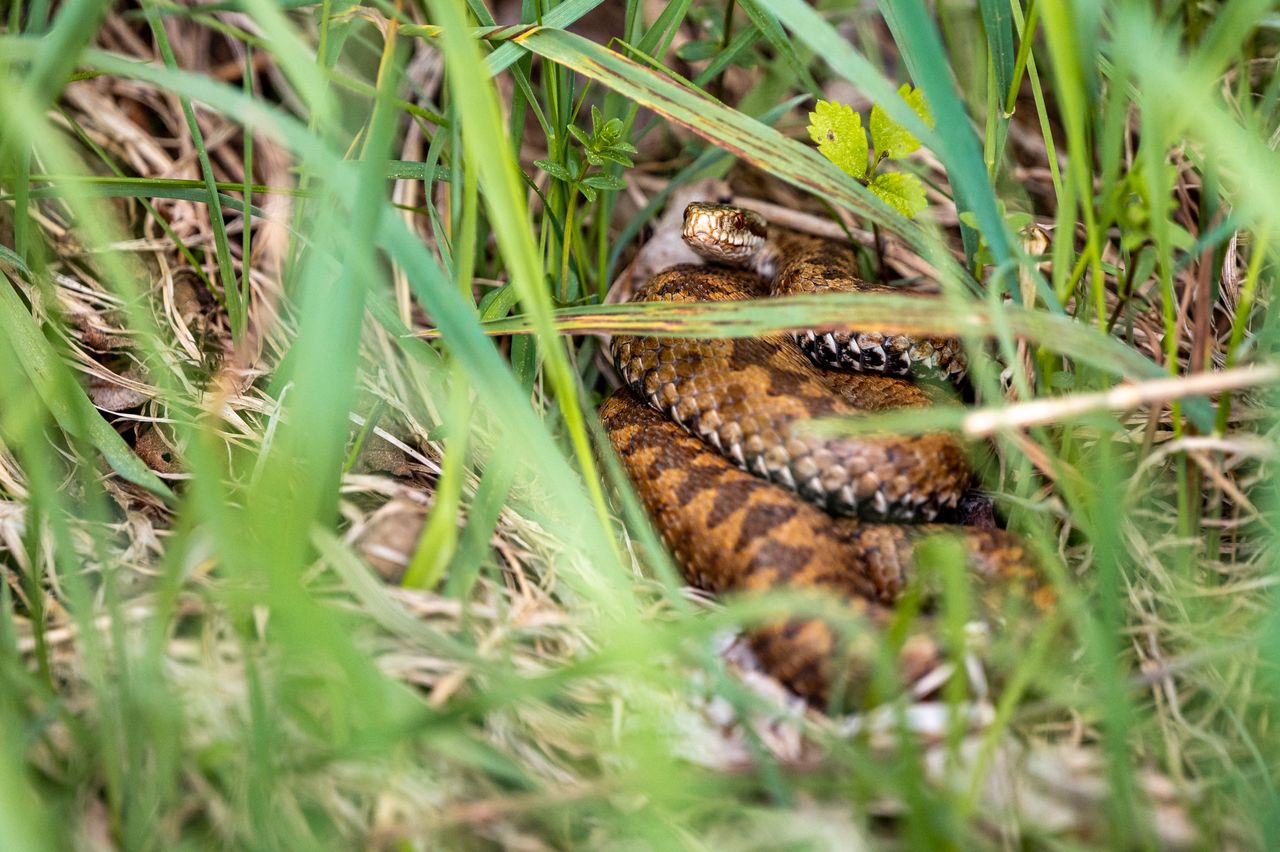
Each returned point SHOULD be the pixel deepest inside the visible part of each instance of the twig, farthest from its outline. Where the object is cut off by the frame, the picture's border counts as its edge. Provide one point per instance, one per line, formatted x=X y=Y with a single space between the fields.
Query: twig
x=987 y=421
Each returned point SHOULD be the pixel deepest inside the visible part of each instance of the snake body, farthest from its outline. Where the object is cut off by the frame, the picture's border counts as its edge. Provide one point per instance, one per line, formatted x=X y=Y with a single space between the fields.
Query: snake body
x=745 y=496
x=750 y=398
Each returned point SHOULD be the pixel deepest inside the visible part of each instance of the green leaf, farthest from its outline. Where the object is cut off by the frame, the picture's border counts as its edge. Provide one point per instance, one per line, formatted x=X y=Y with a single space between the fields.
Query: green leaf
x=902 y=192
x=555 y=170
x=625 y=147
x=583 y=139
x=614 y=155
x=891 y=139
x=837 y=130
x=605 y=182
x=15 y=260
x=611 y=132
x=588 y=192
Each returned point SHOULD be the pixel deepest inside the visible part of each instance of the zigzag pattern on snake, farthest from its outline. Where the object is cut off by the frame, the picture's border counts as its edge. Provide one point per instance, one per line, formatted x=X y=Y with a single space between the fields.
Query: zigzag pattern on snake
x=738 y=494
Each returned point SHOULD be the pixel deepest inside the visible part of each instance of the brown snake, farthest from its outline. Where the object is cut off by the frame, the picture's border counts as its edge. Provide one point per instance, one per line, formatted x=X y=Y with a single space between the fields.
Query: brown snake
x=738 y=493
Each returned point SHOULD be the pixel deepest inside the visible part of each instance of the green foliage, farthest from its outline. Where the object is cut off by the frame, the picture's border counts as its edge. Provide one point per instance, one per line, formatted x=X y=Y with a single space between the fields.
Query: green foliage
x=838 y=131
x=603 y=145
x=841 y=138
x=901 y=191
x=891 y=139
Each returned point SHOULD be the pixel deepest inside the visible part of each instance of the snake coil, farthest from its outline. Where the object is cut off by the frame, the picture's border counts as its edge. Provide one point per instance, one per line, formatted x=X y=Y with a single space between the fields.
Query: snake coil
x=744 y=495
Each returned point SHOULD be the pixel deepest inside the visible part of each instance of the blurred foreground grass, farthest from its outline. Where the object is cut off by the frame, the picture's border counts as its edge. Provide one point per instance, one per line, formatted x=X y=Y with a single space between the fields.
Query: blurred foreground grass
x=223 y=223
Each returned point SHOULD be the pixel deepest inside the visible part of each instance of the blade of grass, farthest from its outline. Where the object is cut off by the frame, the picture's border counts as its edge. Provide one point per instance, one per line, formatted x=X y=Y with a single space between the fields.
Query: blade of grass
x=73 y=28
x=957 y=145
x=291 y=51
x=106 y=159
x=24 y=815
x=561 y=16
x=237 y=310
x=438 y=540
x=890 y=314
x=767 y=24
x=998 y=24
x=246 y=163
x=505 y=198
x=140 y=187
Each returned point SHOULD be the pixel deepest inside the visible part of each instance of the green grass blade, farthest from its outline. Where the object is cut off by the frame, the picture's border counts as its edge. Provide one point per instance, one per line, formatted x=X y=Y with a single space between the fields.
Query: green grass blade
x=767 y=24
x=505 y=200
x=890 y=314
x=23 y=815
x=237 y=310
x=438 y=540
x=998 y=22
x=560 y=16
x=958 y=146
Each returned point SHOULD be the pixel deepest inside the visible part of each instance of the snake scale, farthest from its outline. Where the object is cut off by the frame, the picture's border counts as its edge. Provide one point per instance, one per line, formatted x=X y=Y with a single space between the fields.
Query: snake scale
x=711 y=432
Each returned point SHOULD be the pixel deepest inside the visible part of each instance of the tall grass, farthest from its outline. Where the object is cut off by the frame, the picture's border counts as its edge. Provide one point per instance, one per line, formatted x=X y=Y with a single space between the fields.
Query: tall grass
x=209 y=658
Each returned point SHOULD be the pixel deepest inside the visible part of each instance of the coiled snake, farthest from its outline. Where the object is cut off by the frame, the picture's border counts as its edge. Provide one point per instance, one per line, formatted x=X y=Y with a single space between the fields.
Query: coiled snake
x=735 y=484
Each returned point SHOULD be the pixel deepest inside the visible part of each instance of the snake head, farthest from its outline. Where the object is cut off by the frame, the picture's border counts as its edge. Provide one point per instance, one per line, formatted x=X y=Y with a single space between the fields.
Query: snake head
x=723 y=233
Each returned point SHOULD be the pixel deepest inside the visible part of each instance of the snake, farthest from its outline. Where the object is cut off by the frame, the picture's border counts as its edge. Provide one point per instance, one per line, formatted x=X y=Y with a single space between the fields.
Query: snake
x=715 y=435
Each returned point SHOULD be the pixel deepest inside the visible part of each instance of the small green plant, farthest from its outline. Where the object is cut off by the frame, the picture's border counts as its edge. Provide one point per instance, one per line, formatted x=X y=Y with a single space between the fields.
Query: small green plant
x=841 y=138
x=603 y=145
